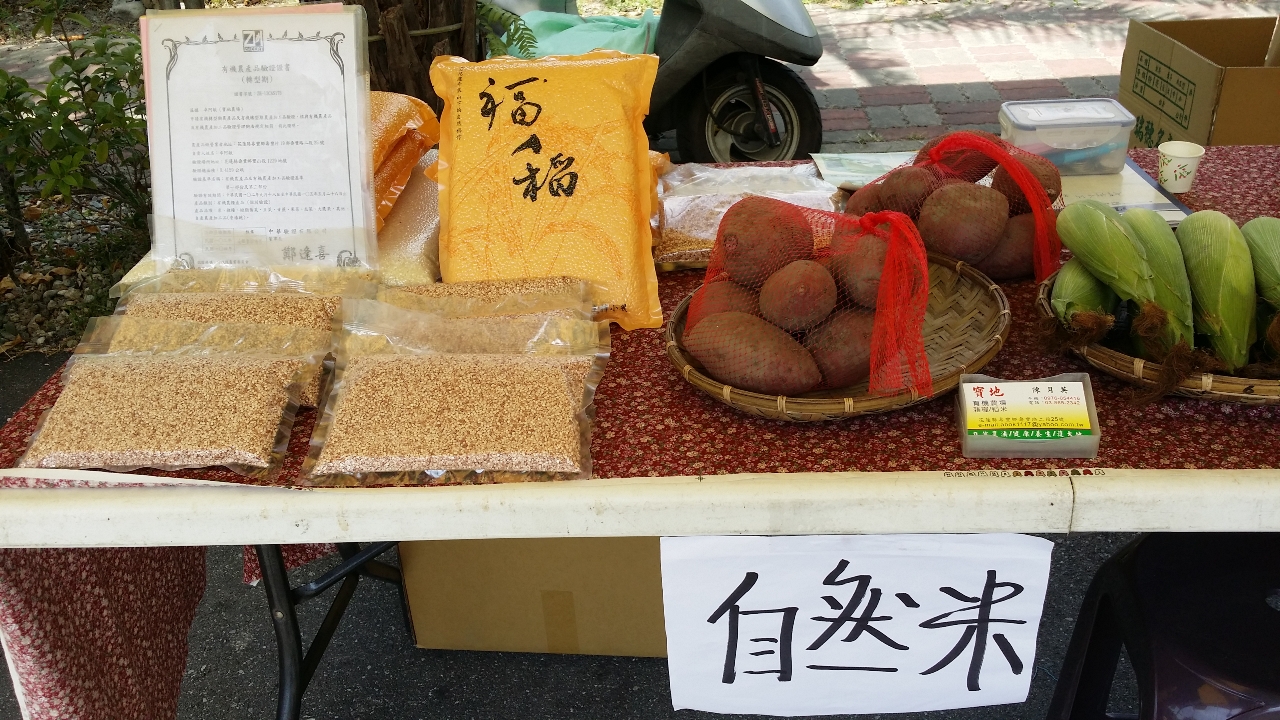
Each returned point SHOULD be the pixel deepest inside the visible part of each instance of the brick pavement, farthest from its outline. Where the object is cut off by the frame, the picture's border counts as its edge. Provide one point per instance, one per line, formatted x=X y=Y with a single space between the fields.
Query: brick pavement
x=894 y=75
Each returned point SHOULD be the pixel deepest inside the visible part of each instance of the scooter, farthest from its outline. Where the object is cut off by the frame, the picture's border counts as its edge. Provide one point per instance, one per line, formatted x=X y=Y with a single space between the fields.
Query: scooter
x=720 y=85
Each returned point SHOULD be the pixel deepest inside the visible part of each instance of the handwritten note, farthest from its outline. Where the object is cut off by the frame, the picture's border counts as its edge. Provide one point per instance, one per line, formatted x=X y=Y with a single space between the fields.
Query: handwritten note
x=823 y=625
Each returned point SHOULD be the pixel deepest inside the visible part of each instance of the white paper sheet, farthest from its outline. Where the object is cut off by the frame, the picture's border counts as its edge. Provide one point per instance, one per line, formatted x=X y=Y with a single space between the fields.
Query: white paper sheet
x=850 y=171
x=258 y=124
x=1126 y=189
x=771 y=625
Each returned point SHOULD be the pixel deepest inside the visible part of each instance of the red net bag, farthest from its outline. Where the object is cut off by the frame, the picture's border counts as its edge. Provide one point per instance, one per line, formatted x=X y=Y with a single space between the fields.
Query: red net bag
x=797 y=300
x=978 y=199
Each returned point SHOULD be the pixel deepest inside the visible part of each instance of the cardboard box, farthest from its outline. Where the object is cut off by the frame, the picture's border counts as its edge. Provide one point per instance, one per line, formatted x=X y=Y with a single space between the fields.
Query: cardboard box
x=588 y=596
x=1203 y=81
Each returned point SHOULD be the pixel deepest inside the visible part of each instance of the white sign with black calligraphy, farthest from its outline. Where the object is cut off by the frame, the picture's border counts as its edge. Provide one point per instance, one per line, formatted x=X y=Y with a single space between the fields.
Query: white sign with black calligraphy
x=839 y=624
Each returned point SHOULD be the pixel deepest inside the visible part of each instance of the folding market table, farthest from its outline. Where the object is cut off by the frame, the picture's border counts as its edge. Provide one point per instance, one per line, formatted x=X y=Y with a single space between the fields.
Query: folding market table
x=668 y=461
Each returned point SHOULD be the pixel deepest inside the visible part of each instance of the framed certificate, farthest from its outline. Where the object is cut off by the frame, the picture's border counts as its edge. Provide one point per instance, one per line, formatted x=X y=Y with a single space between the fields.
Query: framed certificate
x=258 y=122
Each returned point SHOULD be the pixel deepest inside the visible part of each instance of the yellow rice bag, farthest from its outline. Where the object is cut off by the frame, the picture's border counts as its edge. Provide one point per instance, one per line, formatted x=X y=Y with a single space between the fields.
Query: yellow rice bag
x=544 y=172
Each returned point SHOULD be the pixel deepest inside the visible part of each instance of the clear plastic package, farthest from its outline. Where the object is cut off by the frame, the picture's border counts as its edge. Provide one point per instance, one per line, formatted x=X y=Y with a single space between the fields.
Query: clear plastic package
x=375 y=327
x=409 y=240
x=1051 y=417
x=572 y=300
x=348 y=282
x=254 y=295
x=1083 y=136
x=125 y=335
x=176 y=397
x=318 y=312
x=695 y=197
x=404 y=409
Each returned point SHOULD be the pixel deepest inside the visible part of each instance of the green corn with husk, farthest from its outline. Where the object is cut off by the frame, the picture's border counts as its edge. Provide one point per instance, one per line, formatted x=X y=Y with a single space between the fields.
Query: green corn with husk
x=1164 y=255
x=1263 y=237
x=1220 y=268
x=1076 y=290
x=1097 y=235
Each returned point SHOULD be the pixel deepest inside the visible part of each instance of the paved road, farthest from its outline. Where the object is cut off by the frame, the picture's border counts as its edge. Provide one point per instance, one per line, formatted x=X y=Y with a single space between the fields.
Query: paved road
x=894 y=75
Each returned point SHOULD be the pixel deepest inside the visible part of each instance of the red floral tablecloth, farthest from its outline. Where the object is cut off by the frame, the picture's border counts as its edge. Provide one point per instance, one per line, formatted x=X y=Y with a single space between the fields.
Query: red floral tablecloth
x=101 y=634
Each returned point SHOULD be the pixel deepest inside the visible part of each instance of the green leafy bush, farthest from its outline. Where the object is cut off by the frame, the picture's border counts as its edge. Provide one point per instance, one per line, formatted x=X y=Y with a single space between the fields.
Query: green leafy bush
x=86 y=131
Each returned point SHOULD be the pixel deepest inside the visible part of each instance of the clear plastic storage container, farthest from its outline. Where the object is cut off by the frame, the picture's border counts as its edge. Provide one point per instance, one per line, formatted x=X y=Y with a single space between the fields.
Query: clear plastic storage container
x=1088 y=136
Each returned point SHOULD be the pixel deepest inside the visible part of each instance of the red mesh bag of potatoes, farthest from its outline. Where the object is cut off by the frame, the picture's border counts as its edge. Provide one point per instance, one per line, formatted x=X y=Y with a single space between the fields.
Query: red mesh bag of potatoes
x=978 y=199
x=797 y=300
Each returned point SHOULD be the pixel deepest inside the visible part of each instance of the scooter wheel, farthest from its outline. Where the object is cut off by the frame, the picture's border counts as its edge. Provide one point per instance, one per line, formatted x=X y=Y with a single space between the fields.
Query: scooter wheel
x=721 y=125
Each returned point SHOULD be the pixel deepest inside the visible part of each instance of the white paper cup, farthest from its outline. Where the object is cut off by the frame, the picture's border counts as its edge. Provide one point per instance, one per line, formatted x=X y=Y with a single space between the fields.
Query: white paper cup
x=1178 y=163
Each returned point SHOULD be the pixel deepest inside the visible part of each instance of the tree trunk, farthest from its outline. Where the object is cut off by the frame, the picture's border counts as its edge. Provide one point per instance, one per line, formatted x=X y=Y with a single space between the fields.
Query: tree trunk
x=440 y=14
x=469 y=30
x=372 y=14
x=407 y=74
x=20 y=244
x=378 y=71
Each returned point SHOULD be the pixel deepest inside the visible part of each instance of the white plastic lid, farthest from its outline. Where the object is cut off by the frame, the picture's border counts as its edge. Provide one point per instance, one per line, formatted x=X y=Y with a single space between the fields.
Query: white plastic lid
x=1032 y=114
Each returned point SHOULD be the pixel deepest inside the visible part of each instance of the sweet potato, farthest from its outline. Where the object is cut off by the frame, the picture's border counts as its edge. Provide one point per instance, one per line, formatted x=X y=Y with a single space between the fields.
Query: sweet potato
x=856 y=261
x=963 y=221
x=798 y=296
x=969 y=165
x=1012 y=256
x=865 y=200
x=841 y=347
x=1043 y=170
x=759 y=236
x=750 y=353
x=905 y=189
x=718 y=297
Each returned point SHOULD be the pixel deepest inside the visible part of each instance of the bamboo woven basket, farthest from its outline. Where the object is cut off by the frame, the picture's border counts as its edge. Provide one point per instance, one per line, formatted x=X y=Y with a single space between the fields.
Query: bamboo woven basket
x=965 y=324
x=1207 y=386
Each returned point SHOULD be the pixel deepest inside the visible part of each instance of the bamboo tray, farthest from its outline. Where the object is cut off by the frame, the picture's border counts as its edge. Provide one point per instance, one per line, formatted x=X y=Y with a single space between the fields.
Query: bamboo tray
x=1136 y=371
x=965 y=325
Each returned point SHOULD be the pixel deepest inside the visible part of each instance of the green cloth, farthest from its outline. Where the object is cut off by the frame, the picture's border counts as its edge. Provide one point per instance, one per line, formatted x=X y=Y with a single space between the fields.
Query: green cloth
x=563 y=34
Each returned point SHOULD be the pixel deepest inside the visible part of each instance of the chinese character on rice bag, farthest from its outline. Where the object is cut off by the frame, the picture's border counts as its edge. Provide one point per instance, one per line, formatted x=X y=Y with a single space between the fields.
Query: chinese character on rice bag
x=403 y=129
x=544 y=172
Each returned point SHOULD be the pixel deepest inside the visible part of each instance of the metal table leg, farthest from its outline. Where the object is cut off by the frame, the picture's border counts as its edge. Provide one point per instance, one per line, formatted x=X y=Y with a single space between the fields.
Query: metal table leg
x=297 y=669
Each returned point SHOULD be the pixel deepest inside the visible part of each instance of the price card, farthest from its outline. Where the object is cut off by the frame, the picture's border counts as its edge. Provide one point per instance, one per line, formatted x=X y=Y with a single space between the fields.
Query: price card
x=258 y=123
x=1051 y=417
x=1037 y=410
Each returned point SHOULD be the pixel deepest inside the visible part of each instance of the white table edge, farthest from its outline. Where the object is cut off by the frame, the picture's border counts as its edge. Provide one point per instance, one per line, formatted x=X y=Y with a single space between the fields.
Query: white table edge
x=208 y=513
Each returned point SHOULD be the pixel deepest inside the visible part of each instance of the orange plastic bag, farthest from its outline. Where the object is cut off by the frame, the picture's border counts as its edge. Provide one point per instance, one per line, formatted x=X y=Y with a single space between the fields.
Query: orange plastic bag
x=544 y=172
x=391 y=177
x=403 y=129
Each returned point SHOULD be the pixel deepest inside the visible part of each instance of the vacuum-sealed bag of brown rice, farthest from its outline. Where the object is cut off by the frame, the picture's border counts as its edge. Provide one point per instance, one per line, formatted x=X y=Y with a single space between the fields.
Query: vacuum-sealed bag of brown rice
x=175 y=395
x=427 y=399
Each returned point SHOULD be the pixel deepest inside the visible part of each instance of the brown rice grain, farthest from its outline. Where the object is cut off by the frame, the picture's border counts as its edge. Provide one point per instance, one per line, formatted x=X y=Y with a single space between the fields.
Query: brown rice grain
x=315 y=312
x=404 y=413
x=121 y=412
x=143 y=335
x=498 y=289
x=270 y=308
x=677 y=246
